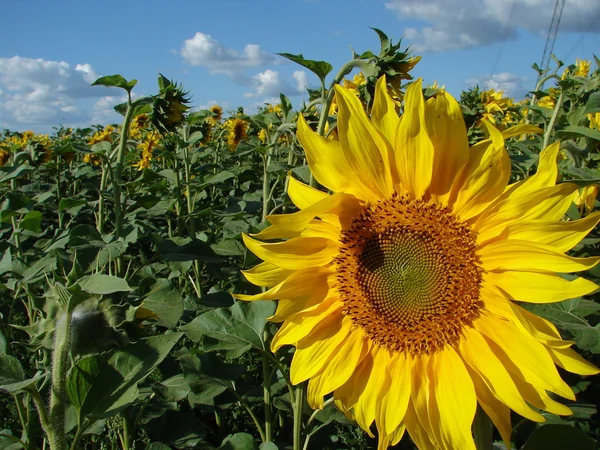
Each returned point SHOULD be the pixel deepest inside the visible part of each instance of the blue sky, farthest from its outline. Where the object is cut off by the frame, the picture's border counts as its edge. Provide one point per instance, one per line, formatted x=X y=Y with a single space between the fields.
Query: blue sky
x=224 y=51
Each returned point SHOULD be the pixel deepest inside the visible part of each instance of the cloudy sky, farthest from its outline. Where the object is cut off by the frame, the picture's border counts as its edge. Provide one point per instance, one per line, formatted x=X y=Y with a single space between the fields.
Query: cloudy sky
x=225 y=51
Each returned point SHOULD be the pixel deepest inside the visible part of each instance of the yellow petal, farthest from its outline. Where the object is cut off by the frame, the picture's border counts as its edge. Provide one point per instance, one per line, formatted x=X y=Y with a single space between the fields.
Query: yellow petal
x=548 y=204
x=539 y=287
x=530 y=257
x=418 y=433
x=303 y=195
x=315 y=228
x=571 y=361
x=266 y=274
x=395 y=400
x=364 y=147
x=298 y=284
x=478 y=355
x=315 y=351
x=338 y=204
x=455 y=399
x=379 y=381
x=538 y=398
x=386 y=120
x=350 y=392
x=497 y=411
x=339 y=368
x=522 y=356
x=520 y=129
x=563 y=236
x=482 y=180
x=330 y=165
x=414 y=150
x=448 y=134
x=301 y=324
x=295 y=254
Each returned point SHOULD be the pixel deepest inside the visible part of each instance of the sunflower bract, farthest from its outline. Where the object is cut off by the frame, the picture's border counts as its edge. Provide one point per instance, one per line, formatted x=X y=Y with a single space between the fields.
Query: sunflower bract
x=399 y=290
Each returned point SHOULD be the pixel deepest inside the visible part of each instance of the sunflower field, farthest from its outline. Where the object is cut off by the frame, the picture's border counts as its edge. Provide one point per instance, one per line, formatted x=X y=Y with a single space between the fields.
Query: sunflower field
x=383 y=266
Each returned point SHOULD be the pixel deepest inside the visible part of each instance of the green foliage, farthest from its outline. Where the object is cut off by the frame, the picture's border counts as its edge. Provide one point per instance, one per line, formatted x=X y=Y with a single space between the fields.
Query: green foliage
x=134 y=246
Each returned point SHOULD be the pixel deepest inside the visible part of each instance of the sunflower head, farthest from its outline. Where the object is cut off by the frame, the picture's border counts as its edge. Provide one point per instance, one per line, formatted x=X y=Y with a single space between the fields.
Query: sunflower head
x=217 y=114
x=237 y=131
x=4 y=156
x=401 y=288
x=170 y=105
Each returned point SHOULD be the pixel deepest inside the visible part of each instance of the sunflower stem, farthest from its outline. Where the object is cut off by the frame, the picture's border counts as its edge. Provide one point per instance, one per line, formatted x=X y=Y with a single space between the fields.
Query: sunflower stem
x=297 y=406
x=557 y=108
x=483 y=431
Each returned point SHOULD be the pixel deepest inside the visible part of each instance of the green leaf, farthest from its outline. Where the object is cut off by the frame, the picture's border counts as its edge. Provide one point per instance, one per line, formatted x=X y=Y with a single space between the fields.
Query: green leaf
x=32 y=221
x=115 y=81
x=319 y=68
x=239 y=441
x=71 y=205
x=558 y=437
x=186 y=250
x=6 y=265
x=103 y=284
x=593 y=104
x=573 y=132
x=8 y=173
x=217 y=178
x=12 y=376
x=165 y=301
x=234 y=330
x=268 y=446
x=80 y=380
x=122 y=372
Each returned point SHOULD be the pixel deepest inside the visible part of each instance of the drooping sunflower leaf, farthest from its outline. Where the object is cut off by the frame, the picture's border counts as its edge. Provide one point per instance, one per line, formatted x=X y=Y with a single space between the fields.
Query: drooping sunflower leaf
x=319 y=68
x=233 y=330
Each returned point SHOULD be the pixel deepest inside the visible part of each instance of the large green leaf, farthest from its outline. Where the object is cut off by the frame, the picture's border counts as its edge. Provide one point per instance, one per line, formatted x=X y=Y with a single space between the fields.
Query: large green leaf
x=234 y=330
x=593 y=104
x=319 y=68
x=32 y=221
x=115 y=81
x=103 y=284
x=80 y=380
x=180 y=249
x=574 y=132
x=118 y=377
x=165 y=301
x=558 y=437
x=12 y=376
x=239 y=441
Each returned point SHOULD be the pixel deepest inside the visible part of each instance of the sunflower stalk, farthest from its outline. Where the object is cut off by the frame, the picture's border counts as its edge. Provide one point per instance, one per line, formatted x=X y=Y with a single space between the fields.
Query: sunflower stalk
x=483 y=431
x=297 y=408
x=550 y=127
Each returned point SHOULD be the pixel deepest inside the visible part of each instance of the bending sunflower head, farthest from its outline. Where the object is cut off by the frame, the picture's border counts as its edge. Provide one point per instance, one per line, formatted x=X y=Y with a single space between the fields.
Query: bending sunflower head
x=399 y=289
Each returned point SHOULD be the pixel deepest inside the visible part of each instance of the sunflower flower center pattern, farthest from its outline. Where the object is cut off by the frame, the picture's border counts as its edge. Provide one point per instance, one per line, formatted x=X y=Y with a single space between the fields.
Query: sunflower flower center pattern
x=409 y=274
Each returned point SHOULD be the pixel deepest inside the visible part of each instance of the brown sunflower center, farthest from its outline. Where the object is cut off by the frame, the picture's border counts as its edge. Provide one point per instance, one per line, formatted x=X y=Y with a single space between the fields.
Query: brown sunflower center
x=409 y=274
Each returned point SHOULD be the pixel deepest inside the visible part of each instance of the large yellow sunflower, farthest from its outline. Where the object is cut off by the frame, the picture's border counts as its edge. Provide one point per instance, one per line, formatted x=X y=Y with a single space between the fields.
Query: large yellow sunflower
x=399 y=288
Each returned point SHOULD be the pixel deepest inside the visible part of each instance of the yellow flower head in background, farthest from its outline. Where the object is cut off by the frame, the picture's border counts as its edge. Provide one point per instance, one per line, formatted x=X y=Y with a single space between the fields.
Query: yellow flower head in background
x=549 y=101
x=217 y=112
x=274 y=109
x=4 y=157
x=238 y=131
x=582 y=69
x=399 y=289
x=139 y=123
x=147 y=146
x=90 y=158
x=262 y=136
x=594 y=120
x=586 y=199
x=105 y=134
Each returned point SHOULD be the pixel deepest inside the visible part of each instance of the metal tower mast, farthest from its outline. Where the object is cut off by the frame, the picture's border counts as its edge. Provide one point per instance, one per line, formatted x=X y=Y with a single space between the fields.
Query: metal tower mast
x=552 y=32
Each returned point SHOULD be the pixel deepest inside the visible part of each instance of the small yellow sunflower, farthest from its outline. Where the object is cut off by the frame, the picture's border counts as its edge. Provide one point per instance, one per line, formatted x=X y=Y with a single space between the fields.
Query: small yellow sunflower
x=398 y=289
x=217 y=114
x=238 y=132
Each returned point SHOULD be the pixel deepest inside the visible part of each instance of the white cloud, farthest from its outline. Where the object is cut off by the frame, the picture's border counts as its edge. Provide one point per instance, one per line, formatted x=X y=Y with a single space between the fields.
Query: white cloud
x=456 y=24
x=301 y=80
x=270 y=83
x=512 y=85
x=37 y=92
x=203 y=50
